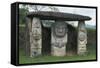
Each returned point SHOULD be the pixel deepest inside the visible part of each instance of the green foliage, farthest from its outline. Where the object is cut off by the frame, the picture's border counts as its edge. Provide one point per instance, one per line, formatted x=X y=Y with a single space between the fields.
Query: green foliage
x=22 y=14
x=91 y=44
x=21 y=37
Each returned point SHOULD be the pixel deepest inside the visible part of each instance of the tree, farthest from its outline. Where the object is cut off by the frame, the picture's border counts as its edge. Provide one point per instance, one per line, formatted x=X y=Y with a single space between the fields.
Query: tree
x=41 y=8
x=22 y=13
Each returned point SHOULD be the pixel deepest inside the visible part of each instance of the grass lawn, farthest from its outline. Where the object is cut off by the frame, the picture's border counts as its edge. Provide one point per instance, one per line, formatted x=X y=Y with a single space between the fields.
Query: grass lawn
x=23 y=59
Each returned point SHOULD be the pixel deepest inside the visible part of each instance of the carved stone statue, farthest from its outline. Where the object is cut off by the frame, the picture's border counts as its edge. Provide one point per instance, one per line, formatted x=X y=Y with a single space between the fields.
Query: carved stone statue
x=58 y=38
x=36 y=37
x=82 y=38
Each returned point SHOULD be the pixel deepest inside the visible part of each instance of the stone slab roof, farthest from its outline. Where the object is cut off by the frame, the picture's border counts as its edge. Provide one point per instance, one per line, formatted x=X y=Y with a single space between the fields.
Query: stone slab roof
x=50 y=15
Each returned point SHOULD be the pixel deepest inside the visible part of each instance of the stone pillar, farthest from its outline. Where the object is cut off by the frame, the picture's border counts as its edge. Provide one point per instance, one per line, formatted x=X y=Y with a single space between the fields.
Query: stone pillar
x=35 y=37
x=82 y=38
x=58 y=38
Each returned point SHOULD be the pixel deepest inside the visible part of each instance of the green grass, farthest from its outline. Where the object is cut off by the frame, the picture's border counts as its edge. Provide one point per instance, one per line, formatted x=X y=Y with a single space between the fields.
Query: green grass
x=23 y=59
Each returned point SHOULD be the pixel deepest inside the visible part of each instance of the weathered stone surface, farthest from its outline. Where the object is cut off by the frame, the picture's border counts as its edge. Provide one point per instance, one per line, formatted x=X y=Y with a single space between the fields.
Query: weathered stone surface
x=36 y=37
x=58 y=38
x=58 y=51
x=82 y=38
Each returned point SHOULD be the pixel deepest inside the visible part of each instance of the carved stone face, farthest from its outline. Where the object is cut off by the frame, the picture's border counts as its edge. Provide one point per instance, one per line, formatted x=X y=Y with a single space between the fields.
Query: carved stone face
x=82 y=36
x=60 y=29
x=36 y=28
x=36 y=23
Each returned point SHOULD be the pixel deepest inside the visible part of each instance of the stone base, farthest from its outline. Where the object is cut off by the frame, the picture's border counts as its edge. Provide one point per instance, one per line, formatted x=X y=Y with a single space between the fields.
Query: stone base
x=58 y=51
x=82 y=50
x=35 y=52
